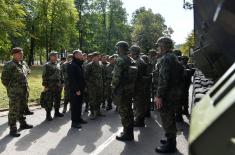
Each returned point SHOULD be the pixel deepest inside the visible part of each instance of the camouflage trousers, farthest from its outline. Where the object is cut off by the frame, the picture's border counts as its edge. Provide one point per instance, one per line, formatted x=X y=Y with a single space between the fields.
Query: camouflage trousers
x=66 y=93
x=53 y=98
x=17 y=103
x=124 y=105
x=140 y=107
x=26 y=106
x=95 y=98
x=167 y=114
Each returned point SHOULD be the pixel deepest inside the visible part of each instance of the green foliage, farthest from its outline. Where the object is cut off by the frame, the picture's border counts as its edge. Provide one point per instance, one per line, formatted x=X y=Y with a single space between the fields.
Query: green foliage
x=40 y=26
x=188 y=45
x=147 y=28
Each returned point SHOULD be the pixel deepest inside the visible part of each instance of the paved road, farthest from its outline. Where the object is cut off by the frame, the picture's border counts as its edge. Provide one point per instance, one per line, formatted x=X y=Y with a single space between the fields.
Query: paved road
x=95 y=138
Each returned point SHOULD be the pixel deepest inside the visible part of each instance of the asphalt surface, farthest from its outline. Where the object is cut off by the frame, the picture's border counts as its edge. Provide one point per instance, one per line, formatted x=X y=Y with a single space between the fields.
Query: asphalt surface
x=95 y=138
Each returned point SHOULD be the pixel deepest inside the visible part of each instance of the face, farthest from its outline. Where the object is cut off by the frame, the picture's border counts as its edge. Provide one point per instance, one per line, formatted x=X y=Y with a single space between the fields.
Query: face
x=78 y=56
x=96 y=58
x=18 y=56
x=54 y=58
x=85 y=56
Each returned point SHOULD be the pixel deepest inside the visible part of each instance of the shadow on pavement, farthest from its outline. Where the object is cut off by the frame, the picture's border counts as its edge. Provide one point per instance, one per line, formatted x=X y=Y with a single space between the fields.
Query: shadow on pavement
x=40 y=130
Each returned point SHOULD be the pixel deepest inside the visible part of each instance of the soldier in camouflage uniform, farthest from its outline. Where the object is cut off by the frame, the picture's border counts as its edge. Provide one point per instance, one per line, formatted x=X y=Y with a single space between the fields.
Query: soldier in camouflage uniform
x=52 y=82
x=26 y=70
x=64 y=68
x=122 y=96
x=109 y=75
x=168 y=93
x=15 y=81
x=148 y=87
x=104 y=66
x=86 y=94
x=140 y=105
x=94 y=80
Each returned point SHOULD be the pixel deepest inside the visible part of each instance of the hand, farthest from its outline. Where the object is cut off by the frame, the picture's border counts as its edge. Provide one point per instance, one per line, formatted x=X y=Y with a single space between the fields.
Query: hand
x=78 y=93
x=158 y=102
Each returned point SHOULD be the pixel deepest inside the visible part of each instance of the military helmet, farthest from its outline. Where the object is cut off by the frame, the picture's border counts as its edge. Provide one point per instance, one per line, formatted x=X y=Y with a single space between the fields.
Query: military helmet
x=16 y=50
x=123 y=44
x=53 y=53
x=165 y=42
x=135 y=49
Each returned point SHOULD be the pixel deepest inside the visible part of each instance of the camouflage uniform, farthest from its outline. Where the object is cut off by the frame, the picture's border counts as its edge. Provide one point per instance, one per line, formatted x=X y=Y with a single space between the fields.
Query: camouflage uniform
x=105 y=88
x=64 y=72
x=52 y=79
x=169 y=91
x=85 y=93
x=140 y=104
x=26 y=72
x=109 y=75
x=94 y=79
x=122 y=96
x=15 y=81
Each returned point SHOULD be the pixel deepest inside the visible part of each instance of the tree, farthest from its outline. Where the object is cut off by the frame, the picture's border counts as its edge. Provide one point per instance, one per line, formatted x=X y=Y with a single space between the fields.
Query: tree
x=11 y=23
x=188 y=45
x=147 y=28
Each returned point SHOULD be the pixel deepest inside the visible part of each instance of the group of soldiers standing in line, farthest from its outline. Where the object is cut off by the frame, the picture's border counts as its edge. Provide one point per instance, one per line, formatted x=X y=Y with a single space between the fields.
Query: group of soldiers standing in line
x=129 y=79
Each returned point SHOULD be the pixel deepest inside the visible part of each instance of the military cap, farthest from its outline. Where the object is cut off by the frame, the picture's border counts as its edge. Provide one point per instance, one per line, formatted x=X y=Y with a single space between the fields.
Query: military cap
x=165 y=42
x=16 y=50
x=123 y=44
x=53 y=53
x=135 y=49
x=76 y=51
x=95 y=54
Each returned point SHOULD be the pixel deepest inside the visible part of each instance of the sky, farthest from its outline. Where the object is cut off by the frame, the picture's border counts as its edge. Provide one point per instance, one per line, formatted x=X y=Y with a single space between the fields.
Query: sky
x=172 y=10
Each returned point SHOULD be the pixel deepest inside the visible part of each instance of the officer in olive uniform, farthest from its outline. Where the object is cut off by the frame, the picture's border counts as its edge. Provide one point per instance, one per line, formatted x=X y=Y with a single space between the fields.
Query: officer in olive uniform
x=94 y=80
x=140 y=105
x=15 y=81
x=64 y=70
x=168 y=93
x=52 y=82
x=122 y=96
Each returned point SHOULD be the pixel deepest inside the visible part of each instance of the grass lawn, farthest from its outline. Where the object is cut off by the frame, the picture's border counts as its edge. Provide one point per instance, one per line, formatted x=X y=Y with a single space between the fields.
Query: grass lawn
x=35 y=85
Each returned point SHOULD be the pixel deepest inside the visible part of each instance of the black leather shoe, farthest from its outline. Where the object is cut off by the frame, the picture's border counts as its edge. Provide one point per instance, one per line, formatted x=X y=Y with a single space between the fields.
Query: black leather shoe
x=76 y=125
x=82 y=121
x=27 y=112
x=163 y=141
x=58 y=114
x=169 y=147
x=26 y=126
x=14 y=134
x=139 y=124
x=109 y=108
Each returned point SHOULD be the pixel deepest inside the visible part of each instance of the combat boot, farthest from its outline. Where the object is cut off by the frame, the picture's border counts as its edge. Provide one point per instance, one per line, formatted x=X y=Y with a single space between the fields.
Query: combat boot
x=48 y=116
x=65 y=108
x=109 y=107
x=24 y=126
x=58 y=114
x=92 y=116
x=14 y=132
x=126 y=135
x=100 y=114
x=168 y=147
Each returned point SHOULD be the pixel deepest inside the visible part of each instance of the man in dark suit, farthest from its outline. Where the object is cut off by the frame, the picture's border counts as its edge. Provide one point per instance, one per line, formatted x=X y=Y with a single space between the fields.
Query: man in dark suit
x=77 y=85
